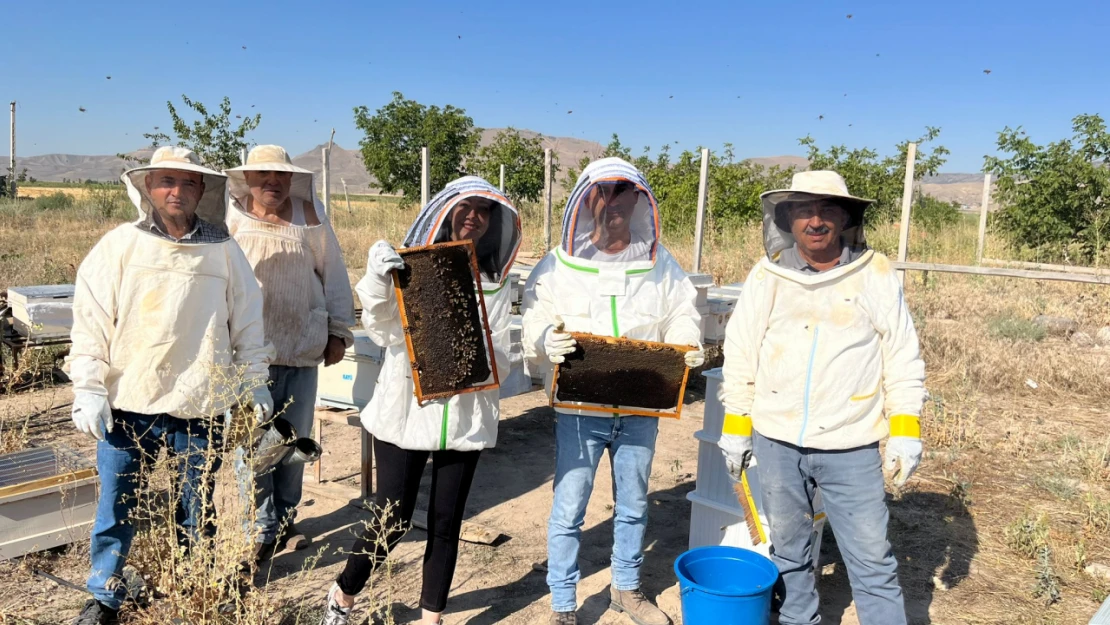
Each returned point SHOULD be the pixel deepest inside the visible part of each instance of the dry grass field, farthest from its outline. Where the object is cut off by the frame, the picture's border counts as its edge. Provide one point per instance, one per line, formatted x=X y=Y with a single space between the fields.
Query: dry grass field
x=1010 y=506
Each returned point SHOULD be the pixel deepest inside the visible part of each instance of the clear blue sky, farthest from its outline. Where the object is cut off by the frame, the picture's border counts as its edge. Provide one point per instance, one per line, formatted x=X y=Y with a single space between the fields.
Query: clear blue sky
x=757 y=75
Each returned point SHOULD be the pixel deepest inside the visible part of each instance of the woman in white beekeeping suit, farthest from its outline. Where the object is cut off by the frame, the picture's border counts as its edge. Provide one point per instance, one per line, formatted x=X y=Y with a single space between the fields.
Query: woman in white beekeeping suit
x=612 y=277
x=453 y=431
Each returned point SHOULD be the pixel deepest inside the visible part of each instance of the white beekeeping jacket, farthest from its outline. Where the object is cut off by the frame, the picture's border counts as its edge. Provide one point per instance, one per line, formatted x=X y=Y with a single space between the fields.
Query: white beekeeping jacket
x=168 y=327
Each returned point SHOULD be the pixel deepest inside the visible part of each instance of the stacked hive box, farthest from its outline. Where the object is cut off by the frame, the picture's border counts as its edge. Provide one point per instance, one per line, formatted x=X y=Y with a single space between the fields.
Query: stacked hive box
x=715 y=516
x=350 y=383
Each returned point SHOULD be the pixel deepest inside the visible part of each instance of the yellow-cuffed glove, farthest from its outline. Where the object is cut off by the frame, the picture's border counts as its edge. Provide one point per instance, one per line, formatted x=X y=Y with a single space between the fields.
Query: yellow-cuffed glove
x=736 y=443
x=903 y=450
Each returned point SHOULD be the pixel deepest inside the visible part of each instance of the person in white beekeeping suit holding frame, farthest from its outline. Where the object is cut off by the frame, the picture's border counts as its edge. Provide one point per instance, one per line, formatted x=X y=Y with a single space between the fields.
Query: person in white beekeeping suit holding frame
x=610 y=276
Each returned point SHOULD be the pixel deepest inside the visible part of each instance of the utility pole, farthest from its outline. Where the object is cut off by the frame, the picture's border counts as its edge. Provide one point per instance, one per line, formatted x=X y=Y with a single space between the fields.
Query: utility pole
x=11 y=176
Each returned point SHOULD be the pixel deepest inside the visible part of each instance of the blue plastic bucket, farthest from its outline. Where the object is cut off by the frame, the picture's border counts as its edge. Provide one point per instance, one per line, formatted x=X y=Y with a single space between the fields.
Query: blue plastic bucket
x=725 y=586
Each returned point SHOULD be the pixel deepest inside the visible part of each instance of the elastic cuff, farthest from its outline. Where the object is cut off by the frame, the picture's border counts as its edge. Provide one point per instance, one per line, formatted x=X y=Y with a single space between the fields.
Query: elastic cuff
x=908 y=426
x=737 y=425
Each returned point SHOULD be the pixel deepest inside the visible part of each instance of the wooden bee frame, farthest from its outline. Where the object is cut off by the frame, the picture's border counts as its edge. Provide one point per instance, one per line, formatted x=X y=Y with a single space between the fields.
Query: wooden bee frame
x=586 y=339
x=424 y=395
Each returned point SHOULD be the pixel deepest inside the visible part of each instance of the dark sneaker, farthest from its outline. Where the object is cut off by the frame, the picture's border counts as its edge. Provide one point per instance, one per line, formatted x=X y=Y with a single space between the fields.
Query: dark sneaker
x=564 y=618
x=96 y=613
x=637 y=607
x=293 y=538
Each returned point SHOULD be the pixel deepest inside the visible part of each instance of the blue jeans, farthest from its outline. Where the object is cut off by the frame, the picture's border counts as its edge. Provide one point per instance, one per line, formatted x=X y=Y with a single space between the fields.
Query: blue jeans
x=851 y=483
x=579 y=444
x=123 y=458
x=278 y=492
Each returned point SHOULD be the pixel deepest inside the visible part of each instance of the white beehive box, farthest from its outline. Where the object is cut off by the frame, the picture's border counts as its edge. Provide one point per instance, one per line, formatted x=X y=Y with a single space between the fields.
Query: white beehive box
x=48 y=498
x=350 y=382
x=702 y=283
x=715 y=319
x=42 y=312
x=517 y=382
x=716 y=517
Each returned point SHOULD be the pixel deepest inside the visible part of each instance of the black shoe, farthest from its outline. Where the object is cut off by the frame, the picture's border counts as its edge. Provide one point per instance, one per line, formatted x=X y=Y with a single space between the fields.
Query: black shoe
x=96 y=613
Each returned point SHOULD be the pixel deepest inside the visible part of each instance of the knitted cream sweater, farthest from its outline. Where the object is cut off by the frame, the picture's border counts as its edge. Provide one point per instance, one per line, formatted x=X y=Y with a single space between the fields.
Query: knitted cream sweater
x=305 y=289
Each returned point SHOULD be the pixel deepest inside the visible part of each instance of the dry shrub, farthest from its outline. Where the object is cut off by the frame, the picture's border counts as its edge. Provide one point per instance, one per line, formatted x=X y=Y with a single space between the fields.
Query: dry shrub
x=1027 y=534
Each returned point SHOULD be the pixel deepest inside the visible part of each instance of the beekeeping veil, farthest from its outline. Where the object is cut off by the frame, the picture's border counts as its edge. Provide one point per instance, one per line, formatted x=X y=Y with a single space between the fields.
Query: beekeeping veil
x=273 y=158
x=212 y=207
x=610 y=189
x=810 y=186
x=496 y=249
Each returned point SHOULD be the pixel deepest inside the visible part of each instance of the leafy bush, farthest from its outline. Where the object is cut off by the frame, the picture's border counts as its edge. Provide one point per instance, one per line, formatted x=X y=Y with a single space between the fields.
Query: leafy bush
x=523 y=161
x=1055 y=194
x=109 y=200
x=55 y=201
x=934 y=215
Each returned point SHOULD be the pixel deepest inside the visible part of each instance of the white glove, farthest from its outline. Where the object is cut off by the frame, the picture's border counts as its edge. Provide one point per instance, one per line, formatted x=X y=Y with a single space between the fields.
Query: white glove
x=383 y=259
x=738 y=453
x=696 y=358
x=904 y=454
x=260 y=400
x=91 y=414
x=557 y=344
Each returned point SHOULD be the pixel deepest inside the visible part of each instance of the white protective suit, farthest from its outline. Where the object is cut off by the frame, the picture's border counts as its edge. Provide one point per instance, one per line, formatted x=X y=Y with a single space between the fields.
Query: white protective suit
x=464 y=422
x=650 y=299
x=165 y=327
x=825 y=360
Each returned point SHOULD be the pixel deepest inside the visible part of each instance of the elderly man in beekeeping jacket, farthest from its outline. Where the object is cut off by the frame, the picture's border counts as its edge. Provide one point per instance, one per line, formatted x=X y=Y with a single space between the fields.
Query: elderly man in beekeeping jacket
x=821 y=363
x=308 y=307
x=167 y=337
x=611 y=276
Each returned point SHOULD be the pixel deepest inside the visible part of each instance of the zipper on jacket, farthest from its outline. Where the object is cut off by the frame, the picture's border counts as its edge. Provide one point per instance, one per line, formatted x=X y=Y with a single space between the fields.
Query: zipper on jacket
x=443 y=430
x=809 y=379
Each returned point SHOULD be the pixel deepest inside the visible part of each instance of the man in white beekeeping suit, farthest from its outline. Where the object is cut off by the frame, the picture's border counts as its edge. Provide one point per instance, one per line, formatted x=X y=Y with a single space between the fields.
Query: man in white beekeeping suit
x=167 y=337
x=821 y=363
x=612 y=277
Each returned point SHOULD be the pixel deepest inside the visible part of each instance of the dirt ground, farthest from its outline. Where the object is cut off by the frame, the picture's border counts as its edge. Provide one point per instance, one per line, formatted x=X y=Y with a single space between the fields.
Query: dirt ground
x=934 y=535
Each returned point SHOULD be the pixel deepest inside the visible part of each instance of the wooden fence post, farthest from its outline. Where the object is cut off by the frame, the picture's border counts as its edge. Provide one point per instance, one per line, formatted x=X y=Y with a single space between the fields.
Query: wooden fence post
x=907 y=202
x=703 y=195
x=979 y=249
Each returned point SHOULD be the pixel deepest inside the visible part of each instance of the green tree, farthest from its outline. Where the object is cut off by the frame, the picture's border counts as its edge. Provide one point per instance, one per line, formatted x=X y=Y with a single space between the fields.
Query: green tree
x=211 y=136
x=880 y=179
x=523 y=161
x=395 y=133
x=1057 y=193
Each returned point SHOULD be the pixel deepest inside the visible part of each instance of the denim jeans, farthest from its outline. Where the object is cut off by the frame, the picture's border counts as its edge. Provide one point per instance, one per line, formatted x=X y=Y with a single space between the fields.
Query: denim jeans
x=122 y=459
x=579 y=444
x=851 y=483
x=278 y=492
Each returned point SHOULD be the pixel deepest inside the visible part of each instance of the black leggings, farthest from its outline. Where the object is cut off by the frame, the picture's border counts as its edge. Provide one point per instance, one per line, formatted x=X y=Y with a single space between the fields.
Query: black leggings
x=399 y=472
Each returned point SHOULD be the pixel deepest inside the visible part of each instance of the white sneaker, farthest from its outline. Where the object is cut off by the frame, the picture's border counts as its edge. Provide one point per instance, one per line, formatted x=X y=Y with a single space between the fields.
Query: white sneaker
x=334 y=614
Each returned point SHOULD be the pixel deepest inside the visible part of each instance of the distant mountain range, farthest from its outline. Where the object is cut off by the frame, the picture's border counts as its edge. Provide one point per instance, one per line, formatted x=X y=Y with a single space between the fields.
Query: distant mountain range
x=346 y=166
